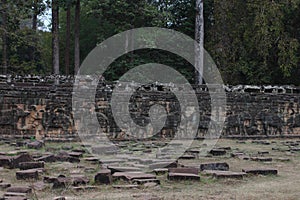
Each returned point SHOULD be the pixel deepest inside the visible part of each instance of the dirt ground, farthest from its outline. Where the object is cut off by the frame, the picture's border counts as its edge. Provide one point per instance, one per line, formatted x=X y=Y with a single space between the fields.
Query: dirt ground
x=286 y=185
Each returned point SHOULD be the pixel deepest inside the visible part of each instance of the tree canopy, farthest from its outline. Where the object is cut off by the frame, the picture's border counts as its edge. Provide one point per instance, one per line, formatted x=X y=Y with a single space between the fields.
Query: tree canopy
x=251 y=41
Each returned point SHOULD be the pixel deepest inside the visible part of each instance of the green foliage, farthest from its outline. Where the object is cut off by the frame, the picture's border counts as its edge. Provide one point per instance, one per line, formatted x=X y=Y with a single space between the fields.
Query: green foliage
x=251 y=41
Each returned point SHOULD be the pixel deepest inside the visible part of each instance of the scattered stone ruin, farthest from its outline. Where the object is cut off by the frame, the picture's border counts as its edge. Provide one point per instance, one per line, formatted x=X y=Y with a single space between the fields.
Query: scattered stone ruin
x=42 y=107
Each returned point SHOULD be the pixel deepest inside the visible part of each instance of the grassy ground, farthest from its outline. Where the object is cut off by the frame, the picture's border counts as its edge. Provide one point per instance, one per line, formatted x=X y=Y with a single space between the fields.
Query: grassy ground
x=284 y=186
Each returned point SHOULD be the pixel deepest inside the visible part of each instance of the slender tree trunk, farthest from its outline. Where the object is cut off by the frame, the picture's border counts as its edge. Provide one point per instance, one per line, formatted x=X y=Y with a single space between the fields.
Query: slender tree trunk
x=55 y=37
x=68 y=35
x=77 y=37
x=35 y=15
x=4 y=38
x=199 y=37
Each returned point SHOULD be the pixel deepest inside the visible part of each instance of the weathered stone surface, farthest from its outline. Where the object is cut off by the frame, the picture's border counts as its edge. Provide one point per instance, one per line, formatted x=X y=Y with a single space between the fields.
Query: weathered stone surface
x=163 y=165
x=59 y=198
x=261 y=159
x=20 y=189
x=217 y=152
x=79 y=180
x=187 y=157
x=160 y=171
x=39 y=186
x=183 y=176
x=14 y=196
x=103 y=177
x=132 y=175
x=125 y=186
x=225 y=174
x=144 y=181
x=47 y=158
x=115 y=169
x=27 y=174
x=14 y=161
x=31 y=165
x=36 y=144
x=4 y=185
x=184 y=170
x=222 y=166
x=63 y=181
x=261 y=171
x=76 y=154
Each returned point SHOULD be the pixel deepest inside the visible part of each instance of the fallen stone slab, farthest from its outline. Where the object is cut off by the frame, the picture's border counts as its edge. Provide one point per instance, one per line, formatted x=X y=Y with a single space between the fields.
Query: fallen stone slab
x=225 y=174
x=20 y=159
x=184 y=170
x=103 y=177
x=14 y=161
x=47 y=158
x=160 y=171
x=31 y=165
x=237 y=154
x=115 y=169
x=183 y=176
x=39 y=186
x=27 y=174
x=261 y=171
x=128 y=176
x=14 y=195
x=5 y=161
x=61 y=182
x=220 y=166
x=76 y=154
x=263 y=152
x=4 y=185
x=59 y=198
x=283 y=159
x=261 y=159
x=35 y=145
x=218 y=152
x=187 y=157
x=143 y=181
x=13 y=198
x=85 y=188
x=49 y=179
x=104 y=149
x=158 y=165
x=111 y=161
x=126 y=186
x=79 y=180
x=19 y=189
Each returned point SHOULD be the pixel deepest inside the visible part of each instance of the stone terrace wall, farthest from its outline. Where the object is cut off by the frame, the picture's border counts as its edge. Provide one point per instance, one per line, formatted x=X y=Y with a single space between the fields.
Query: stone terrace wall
x=34 y=106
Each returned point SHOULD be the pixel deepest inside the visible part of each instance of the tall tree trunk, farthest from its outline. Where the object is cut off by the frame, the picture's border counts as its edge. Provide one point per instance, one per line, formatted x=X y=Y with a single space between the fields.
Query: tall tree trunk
x=77 y=39
x=55 y=37
x=199 y=37
x=4 y=37
x=35 y=15
x=68 y=35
